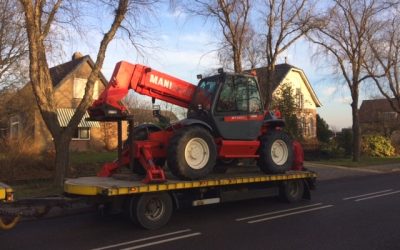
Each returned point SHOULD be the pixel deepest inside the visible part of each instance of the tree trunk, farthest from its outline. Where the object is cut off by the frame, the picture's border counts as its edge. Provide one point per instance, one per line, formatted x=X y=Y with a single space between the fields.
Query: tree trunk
x=268 y=88
x=237 y=63
x=62 y=159
x=356 y=131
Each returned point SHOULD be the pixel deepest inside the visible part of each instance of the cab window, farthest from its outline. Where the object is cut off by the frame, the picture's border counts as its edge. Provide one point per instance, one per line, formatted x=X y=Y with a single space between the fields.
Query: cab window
x=239 y=94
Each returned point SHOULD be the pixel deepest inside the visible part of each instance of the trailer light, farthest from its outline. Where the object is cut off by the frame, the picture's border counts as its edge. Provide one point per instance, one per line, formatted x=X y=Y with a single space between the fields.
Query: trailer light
x=10 y=197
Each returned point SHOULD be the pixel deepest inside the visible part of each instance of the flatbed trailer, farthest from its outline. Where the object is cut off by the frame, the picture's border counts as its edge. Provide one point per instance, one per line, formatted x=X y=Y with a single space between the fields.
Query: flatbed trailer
x=151 y=205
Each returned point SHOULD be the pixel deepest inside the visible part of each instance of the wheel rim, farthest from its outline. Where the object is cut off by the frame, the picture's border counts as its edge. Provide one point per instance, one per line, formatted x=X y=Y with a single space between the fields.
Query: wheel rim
x=197 y=153
x=279 y=152
x=154 y=209
x=294 y=189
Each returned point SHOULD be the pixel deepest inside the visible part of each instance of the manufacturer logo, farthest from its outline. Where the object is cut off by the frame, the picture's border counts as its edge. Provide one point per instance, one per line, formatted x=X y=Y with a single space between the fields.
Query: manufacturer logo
x=160 y=81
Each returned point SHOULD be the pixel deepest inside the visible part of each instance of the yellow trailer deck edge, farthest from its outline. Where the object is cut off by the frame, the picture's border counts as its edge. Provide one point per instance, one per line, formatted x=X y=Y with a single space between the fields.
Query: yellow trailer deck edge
x=109 y=186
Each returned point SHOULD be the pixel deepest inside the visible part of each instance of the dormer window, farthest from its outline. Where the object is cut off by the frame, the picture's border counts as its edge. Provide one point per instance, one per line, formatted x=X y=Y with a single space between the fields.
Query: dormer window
x=80 y=85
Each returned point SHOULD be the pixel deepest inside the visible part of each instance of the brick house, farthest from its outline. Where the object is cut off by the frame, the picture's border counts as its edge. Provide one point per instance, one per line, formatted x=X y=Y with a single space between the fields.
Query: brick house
x=306 y=98
x=69 y=81
x=378 y=117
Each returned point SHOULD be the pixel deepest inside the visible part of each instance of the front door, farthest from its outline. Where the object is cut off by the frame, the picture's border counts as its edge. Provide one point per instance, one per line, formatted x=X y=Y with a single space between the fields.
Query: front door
x=237 y=111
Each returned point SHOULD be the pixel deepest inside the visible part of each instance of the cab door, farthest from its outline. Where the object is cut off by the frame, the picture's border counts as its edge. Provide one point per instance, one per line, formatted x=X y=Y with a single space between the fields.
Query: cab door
x=237 y=111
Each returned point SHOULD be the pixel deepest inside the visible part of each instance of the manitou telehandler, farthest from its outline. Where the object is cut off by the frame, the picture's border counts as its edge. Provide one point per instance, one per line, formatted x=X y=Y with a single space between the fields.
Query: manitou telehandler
x=226 y=120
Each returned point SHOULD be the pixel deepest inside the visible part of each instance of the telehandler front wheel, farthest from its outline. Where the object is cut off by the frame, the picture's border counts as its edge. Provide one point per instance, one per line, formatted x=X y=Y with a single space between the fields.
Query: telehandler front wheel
x=191 y=153
x=276 y=153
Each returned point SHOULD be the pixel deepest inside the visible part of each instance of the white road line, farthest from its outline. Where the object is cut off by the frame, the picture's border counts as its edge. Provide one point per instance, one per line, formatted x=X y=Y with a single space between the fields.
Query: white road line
x=277 y=212
x=143 y=239
x=376 y=196
x=288 y=214
x=162 y=241
x=363 y=195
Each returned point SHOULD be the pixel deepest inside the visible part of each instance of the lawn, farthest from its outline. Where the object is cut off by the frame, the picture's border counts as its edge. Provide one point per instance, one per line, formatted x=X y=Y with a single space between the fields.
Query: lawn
x=79 y=158
x=364 y=162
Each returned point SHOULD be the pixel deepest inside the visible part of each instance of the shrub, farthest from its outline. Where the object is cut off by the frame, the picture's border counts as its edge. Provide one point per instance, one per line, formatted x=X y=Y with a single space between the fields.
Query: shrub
x=20 y=161
x=377 y=146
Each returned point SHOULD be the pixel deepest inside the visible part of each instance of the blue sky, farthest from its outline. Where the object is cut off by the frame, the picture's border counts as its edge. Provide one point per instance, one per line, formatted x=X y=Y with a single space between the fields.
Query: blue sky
x=185 y=46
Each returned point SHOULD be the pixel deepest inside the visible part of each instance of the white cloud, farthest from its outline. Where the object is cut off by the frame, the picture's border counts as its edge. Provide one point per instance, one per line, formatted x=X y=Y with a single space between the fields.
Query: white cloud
x=344 y=100
x=329 y=91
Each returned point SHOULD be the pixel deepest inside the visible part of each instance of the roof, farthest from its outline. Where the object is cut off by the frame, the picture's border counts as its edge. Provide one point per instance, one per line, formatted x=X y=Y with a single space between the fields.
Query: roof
x=60 y=72
x=370 y=110
x=64 y=115
x=281 y=71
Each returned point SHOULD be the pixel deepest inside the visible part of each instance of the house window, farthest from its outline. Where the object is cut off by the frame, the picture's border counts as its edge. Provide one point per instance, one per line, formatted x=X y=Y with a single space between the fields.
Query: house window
x=299 y=99
x=81 y=134
x=14 y=130
x=80 y=85
x=388 y=116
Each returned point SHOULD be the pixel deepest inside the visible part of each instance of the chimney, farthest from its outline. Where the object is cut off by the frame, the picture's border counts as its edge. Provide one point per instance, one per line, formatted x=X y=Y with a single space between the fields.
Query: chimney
x=77 y=55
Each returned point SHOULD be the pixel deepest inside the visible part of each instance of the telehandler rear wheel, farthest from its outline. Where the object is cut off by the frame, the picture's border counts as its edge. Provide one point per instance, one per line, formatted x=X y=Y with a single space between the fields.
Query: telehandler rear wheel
x=276 y=153
x=191 y=153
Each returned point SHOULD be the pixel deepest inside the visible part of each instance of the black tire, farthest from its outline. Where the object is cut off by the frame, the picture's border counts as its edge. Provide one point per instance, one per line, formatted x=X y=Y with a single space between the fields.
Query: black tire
x=223 y=164
x=276 y=153
x=141 y=133
x=291 y=191
x=151 y=210
x=178 y=154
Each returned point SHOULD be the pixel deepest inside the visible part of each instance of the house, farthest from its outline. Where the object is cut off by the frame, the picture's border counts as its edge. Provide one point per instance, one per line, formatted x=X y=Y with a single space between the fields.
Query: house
x=305 y=97
x=69 y=81
x=378 y=117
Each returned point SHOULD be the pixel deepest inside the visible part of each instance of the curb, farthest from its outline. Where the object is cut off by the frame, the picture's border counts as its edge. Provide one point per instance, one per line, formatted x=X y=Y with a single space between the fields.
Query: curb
x=318 y=165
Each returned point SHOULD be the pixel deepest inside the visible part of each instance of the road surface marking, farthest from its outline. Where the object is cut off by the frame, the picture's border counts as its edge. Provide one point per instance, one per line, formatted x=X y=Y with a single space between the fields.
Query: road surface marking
x=289 y=214
x=363 y=195
x=277 y=212
x=162 y=241
x=376 y=196
x=143 y=239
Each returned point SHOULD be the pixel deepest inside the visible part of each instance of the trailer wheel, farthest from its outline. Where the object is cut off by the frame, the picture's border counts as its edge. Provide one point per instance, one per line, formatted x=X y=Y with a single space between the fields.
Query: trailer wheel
x=191 y=153
x=152 y=210
x=276 y=153
x=291 y=191
x=141 y=133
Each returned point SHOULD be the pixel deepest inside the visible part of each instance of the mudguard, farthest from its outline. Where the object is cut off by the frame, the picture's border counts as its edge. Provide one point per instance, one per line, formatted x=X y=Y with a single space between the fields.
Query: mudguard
x=190 y=121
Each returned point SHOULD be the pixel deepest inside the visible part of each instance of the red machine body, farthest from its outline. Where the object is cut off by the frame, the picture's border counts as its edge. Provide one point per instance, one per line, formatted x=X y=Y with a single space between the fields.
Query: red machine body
x=154 y=145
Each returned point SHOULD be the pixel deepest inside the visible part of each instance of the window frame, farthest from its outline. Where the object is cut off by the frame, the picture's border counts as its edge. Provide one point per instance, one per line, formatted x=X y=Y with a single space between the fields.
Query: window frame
x=78 y=131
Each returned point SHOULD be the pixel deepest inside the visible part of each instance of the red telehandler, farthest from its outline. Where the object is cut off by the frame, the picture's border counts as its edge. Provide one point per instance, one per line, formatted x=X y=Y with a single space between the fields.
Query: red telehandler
x=225 y=121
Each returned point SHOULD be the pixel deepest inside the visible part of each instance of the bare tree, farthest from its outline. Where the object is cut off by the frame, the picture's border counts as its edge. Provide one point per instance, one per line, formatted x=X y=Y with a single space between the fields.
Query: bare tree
x=40 y=17
x=232 y=17
x=342 y=37
x=383 y=63
x=286 y=21
x=13 y=44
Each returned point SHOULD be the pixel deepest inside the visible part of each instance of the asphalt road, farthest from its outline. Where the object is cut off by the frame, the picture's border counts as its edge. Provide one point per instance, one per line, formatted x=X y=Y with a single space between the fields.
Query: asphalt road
x=349 y=210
